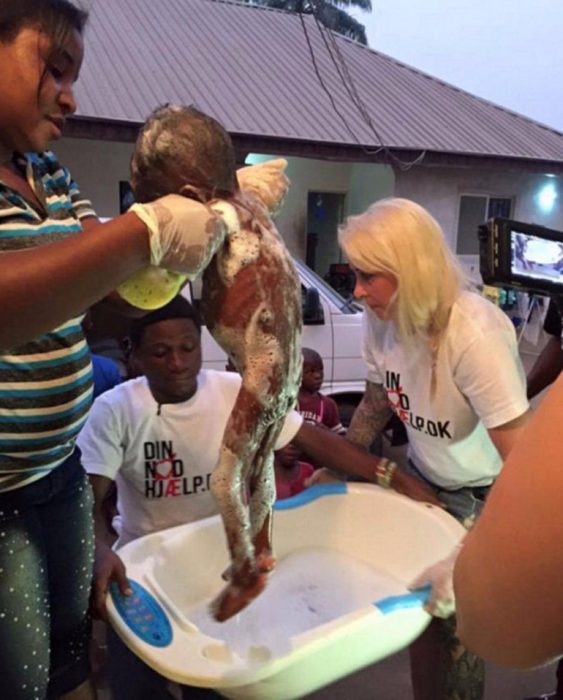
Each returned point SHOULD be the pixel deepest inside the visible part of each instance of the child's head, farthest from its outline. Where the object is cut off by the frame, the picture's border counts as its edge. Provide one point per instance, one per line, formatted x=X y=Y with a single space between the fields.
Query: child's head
x=287 y=457
x=313 y=371
x=182 y=150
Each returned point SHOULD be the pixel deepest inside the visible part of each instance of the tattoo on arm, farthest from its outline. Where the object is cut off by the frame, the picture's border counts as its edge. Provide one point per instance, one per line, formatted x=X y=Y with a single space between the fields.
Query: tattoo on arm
x=370 y=417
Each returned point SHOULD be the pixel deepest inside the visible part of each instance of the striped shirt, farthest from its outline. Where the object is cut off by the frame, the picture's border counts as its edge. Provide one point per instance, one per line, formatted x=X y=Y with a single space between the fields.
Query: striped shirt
x=45 y=384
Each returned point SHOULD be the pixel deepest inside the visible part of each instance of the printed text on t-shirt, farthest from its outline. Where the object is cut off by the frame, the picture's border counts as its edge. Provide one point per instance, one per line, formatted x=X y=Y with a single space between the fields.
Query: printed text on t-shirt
x=165 y=475
x=401 y=405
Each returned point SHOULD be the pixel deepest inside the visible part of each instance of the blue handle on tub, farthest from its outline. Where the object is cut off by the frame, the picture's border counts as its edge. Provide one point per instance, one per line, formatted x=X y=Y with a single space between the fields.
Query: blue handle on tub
x=143 y=614
x=337 y=488
x=414 y=599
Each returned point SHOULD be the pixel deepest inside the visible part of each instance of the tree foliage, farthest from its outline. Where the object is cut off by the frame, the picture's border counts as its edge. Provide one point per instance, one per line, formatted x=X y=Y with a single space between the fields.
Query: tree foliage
x=332 y=14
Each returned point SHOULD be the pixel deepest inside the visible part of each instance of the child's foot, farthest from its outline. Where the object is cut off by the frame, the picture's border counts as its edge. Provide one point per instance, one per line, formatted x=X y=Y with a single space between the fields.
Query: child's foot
x=265 y=563
x=234 y=598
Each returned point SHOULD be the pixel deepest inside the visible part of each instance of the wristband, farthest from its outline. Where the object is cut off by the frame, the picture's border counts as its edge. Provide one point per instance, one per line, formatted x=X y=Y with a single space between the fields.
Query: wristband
x=384 y=472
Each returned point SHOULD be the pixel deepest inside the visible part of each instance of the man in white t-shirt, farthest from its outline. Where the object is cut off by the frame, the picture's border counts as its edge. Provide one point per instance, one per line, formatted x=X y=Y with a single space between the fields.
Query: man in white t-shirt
x=158 y=437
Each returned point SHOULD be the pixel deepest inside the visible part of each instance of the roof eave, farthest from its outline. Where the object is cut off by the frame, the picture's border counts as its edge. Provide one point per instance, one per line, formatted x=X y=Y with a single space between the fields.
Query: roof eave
x=126 y=131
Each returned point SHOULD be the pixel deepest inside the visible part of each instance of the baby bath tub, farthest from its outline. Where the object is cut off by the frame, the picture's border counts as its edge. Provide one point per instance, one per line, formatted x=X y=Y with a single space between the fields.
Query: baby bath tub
x=337 y=601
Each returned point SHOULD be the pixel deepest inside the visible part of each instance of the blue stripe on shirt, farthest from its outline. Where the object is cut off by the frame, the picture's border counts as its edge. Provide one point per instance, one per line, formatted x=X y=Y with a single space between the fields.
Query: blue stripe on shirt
x=42 y=364
x=48 y=417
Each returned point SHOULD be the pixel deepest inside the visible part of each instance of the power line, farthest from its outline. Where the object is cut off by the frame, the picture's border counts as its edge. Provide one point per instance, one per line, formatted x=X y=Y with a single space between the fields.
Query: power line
x=349 y=85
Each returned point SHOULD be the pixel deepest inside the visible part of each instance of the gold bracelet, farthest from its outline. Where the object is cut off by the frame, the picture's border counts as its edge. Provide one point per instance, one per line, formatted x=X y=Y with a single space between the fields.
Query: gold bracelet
x=384 y=472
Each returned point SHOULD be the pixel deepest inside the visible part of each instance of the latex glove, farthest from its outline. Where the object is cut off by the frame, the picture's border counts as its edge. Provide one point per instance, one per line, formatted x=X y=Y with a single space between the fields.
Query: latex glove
x=183 y=233
x=267 y=181
x=192 y=240
x=440 y=576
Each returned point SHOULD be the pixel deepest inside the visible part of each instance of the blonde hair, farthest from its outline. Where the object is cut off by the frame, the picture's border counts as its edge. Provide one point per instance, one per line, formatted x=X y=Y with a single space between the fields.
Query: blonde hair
x=400 y=237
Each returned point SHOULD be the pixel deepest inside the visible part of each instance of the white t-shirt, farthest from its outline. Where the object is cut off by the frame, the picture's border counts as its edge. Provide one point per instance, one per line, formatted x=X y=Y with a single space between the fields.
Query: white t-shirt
x=162 y=458
x=480 y=385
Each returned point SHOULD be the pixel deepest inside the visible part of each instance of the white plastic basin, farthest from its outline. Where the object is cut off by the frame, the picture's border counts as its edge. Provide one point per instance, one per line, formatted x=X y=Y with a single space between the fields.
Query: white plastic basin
x=337 y=601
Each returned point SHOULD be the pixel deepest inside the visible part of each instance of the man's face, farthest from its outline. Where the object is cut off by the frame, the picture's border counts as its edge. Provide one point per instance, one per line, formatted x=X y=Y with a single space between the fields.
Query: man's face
x=169 y=355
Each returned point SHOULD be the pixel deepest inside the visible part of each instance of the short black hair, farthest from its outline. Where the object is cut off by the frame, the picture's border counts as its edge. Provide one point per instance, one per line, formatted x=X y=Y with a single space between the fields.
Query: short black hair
x=311 y=356
x=179 y=307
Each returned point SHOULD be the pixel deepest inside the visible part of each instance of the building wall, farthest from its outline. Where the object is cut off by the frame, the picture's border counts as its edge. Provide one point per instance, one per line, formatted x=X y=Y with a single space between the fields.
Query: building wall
x=361 y=183
x=97 y=167
x=439 y=190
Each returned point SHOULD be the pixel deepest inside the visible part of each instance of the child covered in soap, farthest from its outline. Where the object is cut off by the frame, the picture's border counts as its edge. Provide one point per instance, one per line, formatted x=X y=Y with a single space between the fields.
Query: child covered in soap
x=251 y=305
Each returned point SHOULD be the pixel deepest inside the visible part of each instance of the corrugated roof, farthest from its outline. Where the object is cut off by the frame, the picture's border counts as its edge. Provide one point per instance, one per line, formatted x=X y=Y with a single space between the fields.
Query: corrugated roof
x=252 y=69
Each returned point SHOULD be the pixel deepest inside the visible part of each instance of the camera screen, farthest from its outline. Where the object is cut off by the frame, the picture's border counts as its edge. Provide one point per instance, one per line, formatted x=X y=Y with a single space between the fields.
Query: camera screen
x=536 y=258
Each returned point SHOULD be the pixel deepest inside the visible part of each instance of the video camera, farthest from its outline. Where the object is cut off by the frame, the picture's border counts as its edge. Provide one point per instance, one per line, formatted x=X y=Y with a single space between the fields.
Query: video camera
x=524 y=256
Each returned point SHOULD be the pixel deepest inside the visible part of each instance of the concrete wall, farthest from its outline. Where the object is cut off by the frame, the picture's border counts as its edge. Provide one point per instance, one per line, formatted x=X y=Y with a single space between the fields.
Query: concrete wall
x=439 y=190
x=97 y=167
x=361 y=183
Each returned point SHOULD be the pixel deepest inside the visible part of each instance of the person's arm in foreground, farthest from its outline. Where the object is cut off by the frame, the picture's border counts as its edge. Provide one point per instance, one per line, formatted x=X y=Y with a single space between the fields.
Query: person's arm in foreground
x=42 y=287
x=369 y=419
x=108 y=566
x=340 y=455
x=507 y=577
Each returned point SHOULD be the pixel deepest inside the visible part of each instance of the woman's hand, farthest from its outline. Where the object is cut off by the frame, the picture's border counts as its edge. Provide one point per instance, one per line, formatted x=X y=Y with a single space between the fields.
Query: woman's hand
x=108 y=567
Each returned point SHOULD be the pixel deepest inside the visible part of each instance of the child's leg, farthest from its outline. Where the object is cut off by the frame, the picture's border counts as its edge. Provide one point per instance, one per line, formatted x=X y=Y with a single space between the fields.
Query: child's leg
x=262 y=497
x=228 y=484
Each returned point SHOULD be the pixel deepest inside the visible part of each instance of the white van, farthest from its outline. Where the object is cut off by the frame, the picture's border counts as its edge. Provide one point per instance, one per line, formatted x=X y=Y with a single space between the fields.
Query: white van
x=331 y=326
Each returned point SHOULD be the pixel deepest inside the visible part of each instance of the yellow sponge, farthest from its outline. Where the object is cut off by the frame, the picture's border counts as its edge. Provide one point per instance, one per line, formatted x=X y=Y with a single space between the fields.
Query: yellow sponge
x=151 y=288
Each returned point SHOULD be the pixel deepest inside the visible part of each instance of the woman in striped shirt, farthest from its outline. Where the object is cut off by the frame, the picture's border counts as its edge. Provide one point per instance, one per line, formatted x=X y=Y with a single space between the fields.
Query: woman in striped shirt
x=56 y=260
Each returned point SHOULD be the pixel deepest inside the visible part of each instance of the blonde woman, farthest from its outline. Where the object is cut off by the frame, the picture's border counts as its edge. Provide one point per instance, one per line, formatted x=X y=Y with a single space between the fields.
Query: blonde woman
x=445 y=360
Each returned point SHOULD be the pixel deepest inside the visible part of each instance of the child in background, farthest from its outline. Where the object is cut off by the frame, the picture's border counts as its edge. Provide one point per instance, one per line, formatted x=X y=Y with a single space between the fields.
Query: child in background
x=312 y=405
x=291 y=474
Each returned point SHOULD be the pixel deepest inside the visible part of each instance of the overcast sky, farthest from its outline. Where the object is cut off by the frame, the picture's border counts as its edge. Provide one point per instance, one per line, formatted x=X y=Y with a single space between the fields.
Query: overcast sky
x=508 y=51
